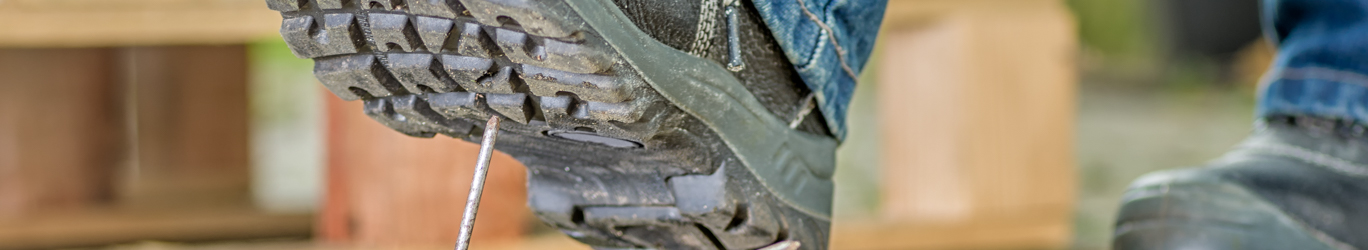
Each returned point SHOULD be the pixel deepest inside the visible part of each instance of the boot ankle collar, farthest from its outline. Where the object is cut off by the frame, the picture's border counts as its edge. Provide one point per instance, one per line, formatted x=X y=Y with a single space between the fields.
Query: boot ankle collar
x=1321 y=126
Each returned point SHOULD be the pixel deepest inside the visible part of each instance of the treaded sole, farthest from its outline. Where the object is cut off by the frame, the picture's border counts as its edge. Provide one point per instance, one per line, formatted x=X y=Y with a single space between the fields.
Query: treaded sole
x=612 y=162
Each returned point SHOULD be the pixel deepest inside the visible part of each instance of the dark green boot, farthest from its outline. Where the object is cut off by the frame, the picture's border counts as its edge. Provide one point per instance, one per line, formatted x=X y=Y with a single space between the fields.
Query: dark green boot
x=1296 y=183
x=643 y=124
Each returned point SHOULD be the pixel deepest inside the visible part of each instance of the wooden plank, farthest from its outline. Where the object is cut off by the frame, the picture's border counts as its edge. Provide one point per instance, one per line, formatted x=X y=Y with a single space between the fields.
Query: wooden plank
x=335 y=216
x=189 y=143
x=555 y=241
x=102 y=227
x=977 y=105
x=180 y=161
x=399 y=191
x=58 y=129
x=86 y=23
x=1016 y=232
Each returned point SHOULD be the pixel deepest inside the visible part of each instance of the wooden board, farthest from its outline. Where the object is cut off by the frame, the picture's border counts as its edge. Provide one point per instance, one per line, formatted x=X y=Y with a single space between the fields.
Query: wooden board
x=1016 y=232
x=90 y=23
x=977 y=102
x=386 y=189
x=536 y=242
x=95 y=227
x=188 y=141
x=105 y=146
x=58 y=129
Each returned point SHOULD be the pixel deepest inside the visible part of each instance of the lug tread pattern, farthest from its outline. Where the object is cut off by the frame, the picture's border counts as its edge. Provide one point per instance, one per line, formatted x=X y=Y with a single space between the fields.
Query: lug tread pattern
x=437 y=8
x=283 y=5
x=429 y=67
x=394 y=32
x=433 y=31
x=338 y=34
x=475 y=42
x=357 y=76
x=416 y=48
x=420 y=73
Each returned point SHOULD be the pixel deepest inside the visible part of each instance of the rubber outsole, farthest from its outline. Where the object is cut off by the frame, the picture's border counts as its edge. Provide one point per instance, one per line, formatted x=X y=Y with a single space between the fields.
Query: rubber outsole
x=616 y=159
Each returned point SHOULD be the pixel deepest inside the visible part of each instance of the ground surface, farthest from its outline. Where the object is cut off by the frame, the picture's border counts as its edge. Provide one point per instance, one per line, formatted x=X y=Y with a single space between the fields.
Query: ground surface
x=1124 y=132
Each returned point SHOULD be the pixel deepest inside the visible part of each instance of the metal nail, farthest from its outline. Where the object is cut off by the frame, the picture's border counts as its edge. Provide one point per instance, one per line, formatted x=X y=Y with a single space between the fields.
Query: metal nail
x=477 y=184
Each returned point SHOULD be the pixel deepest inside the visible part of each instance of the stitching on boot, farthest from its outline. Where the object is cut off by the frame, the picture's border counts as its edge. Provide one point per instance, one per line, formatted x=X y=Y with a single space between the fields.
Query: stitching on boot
x=805 y=109
x=703 y=34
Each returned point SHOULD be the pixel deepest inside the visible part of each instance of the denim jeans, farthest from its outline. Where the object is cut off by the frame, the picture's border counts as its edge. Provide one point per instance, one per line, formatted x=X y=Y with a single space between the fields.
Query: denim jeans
x=1321 y=68
x=828 y=41
x=1322 y=63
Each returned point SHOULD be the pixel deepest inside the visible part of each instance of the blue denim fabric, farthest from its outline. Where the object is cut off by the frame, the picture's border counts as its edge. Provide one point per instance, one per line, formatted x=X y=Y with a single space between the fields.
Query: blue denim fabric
x=1322 y=64
x=853 y=24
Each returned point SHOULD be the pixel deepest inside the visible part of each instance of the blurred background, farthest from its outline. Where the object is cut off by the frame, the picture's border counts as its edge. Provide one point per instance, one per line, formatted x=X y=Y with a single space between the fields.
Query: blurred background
x=979 y=124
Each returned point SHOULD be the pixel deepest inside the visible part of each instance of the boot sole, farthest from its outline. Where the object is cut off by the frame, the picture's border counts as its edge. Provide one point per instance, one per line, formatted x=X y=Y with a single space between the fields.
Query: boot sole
x=629 y=143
